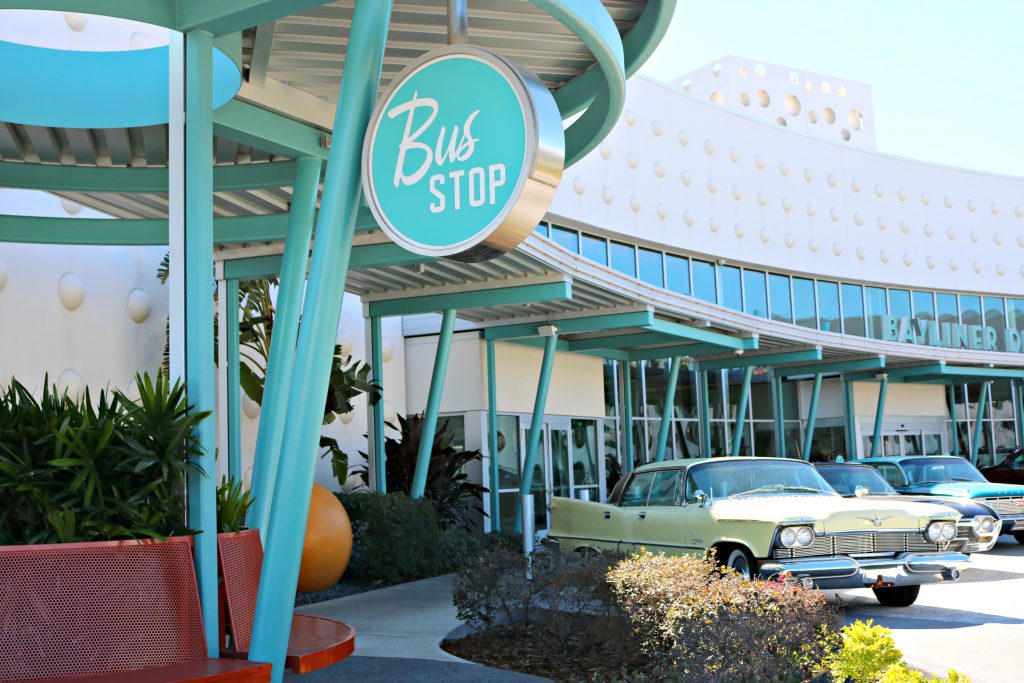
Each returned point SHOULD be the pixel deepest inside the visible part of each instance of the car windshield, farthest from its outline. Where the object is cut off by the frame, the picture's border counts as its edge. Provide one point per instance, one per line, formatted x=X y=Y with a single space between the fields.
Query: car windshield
x=845 y=480
x=734 y=478
x=940 y=470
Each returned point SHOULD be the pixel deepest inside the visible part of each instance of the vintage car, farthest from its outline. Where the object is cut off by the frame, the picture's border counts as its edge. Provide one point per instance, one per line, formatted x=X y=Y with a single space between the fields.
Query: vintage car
x=773 y=518
x=979 y=524
x=1009 y=471
x=952 y=476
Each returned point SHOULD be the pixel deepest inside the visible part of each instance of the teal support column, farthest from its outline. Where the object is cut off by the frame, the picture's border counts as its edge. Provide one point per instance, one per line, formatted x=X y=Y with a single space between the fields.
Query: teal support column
x=705 y=414
x=627 y=419
x=876 y=434
x=281 y=361
x=1019 y=412
x=234 y=386
x=851 y=421
x=380 y=479
x=812 y=416
x=979 y=421
x=780 y=418
x=200 y=373
x=315 y=348
x=741 y=410
x=444 y=347
x=951 y=390
x=492 y=436
x=536 y=426
x=668 y=409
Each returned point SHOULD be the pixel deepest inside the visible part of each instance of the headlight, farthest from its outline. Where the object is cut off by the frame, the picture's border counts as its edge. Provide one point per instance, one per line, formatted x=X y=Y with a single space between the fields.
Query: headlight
x=983 y=524
x=940 y=531
x=796 y=536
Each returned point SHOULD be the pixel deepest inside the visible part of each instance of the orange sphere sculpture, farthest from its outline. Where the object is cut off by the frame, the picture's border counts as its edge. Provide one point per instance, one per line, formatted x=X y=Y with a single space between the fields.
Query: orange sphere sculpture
x=328 y=544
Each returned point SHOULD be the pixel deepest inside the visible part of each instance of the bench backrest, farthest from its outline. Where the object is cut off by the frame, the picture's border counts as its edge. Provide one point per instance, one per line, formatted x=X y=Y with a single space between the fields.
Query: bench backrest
x=93 y=608
x=241 y=561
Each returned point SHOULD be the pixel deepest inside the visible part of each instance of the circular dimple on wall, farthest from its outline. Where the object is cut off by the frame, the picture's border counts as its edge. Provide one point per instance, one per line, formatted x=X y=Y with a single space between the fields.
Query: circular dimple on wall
x=717 y=97
x=826 y=87
x=659 y=169
x=832 y=179
x=687 y=84
x=688 y=217
x=781 y=121
x=792 y=105
x=630 y=117
x=632 y=160
x=713 y=224
x=685 y=178
x=763 y=98
x=70 y=291
x=346 y=418
x=879 y=190
x=712 y=186
x=387 y=349
x=716 y=69
x=745 y=99
x=683 y=138
x=950 y=233
x=759 y=70
x=139 y=305
x=71 y=383
x=861 y=253
x=70 y=207
x=250 y=408
x=845 y=135
x=812 y=116
x=783 y=168
x=709 y=146
x=657 y=128
x=606 y=195
x=734 y=154
x=578 y=185
x=828 y=114
x=765 y=235
x=759 y=162
x=948 y=201
x=855 y=118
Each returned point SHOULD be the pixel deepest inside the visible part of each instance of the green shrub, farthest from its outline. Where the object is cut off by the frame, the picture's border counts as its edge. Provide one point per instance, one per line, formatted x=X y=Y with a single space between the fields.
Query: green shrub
x=698 y=622
x=459 y=545
x=233 y=503
x=394 y=538
x=869 y=655
x=95 y=470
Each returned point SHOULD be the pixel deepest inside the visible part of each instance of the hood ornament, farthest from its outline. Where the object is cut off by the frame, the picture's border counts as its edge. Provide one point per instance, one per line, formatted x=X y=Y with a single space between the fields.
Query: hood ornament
x=876 y=520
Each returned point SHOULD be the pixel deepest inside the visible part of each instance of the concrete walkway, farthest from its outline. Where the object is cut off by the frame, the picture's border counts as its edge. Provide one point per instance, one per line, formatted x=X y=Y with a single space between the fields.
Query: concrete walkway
x=398 y=638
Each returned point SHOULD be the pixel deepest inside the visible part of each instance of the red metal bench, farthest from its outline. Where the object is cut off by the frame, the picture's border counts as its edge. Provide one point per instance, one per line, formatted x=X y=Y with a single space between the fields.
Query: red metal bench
x=113 y=611
x=315 y=642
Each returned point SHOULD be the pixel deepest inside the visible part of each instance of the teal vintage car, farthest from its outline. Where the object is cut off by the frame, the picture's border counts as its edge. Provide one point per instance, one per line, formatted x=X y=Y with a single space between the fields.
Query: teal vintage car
x=770 y=517
x=951 y=476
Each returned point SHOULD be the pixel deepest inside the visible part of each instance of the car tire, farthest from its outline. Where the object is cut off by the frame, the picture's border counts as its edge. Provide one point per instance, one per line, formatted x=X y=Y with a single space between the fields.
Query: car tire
x=742 y=562
x=1019 y=535
x=897 y=596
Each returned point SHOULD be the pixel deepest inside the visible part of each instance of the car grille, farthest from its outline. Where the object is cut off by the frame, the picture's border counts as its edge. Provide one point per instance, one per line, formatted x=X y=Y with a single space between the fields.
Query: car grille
x=1007 y=506
x=871 y=542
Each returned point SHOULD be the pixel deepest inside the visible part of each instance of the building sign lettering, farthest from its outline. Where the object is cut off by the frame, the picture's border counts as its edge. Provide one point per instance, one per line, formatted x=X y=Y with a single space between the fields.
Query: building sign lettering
x=951 y=335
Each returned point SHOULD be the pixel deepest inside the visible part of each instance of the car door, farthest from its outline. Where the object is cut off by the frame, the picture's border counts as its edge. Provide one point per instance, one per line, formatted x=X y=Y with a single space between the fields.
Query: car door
x=631 y=509
x=659 y=525
x=698 y=525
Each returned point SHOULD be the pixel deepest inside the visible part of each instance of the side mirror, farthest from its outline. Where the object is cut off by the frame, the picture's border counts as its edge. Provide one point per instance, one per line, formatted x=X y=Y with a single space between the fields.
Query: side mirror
x=861 y=491
x=700 y=497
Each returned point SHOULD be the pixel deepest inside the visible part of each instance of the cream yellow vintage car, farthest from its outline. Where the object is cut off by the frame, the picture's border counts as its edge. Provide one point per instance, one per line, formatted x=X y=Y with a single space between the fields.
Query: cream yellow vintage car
x=774 y=518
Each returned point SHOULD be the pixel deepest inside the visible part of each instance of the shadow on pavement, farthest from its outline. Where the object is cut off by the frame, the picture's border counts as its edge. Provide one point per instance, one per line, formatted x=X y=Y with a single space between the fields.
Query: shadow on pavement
x=395 y=670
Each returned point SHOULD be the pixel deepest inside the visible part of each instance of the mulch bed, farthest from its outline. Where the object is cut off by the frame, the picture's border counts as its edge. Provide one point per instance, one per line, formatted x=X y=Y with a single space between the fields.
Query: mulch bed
x=338 y=590
x=532 y=650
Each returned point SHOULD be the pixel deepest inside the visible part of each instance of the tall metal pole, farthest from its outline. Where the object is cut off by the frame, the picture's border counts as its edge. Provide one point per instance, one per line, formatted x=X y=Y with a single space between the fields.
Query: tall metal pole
x=951 y=390
x=812 y=416
x=705 y=414
x=200 y=371
x=780 y=419
x=281 y=360
x=458 y=22
x=851 y=420
x=380 y=479
x=979 y=422
x=536 y=425
x=233 y=385
x=627 y=419
x=668 y=409
x=492 y=437
x=741 y=410
x=315 y=349
x=876 y=435
x=426 y=446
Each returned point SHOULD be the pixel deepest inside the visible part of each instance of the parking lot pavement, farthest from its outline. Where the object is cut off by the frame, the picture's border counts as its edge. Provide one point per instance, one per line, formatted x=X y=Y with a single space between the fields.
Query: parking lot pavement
x=974 y=625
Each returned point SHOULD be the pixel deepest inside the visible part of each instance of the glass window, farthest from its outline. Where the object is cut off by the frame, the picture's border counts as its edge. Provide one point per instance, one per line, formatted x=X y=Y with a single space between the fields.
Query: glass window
x=595 y=249
x=899 y=303
x=651 y=269
x=732 y=290
x=755 y=293
x=655 y=381
x=970 y=310
x=760 y=395
x=853 y=310
x=508 y=451
x=541 y=229
x=803 y=302
x=677 y=274
x=782 y=304
x=828 y=307
x=995 y=313
x=1015 y=311
x=610 y=370
x=713 y=387
x=704 y=281
x=623 y=258
x=686 y=394
x=946 y=308
x=663 y=492
x=924 y=306
x=570 y=239
x=637 y=490
x=876 y=309
x=584 y=453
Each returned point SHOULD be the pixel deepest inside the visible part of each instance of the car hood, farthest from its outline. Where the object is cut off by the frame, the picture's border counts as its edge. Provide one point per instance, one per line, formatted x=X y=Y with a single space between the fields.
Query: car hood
x=965 y=506
x=831 y=513
x=969 y=489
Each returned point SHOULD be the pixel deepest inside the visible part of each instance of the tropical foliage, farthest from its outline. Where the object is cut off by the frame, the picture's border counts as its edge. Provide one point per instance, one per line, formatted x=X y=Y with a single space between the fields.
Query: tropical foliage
x=233 y=503
x=456 y=499
x=86 y=470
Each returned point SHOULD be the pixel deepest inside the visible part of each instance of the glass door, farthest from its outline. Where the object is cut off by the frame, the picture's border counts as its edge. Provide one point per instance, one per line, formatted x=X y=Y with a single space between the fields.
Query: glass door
x=585 y=460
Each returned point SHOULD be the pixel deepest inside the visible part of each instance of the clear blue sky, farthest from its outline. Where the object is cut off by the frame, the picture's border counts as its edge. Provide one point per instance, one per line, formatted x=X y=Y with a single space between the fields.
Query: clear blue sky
x=947 y=76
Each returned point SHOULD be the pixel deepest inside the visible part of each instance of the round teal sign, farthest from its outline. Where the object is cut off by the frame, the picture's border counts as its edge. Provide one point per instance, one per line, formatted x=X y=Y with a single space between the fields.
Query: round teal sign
x=463 y=155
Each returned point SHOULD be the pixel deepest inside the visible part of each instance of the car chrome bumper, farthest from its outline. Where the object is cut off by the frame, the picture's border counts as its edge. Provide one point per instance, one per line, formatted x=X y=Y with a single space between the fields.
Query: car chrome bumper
x=842 y=571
